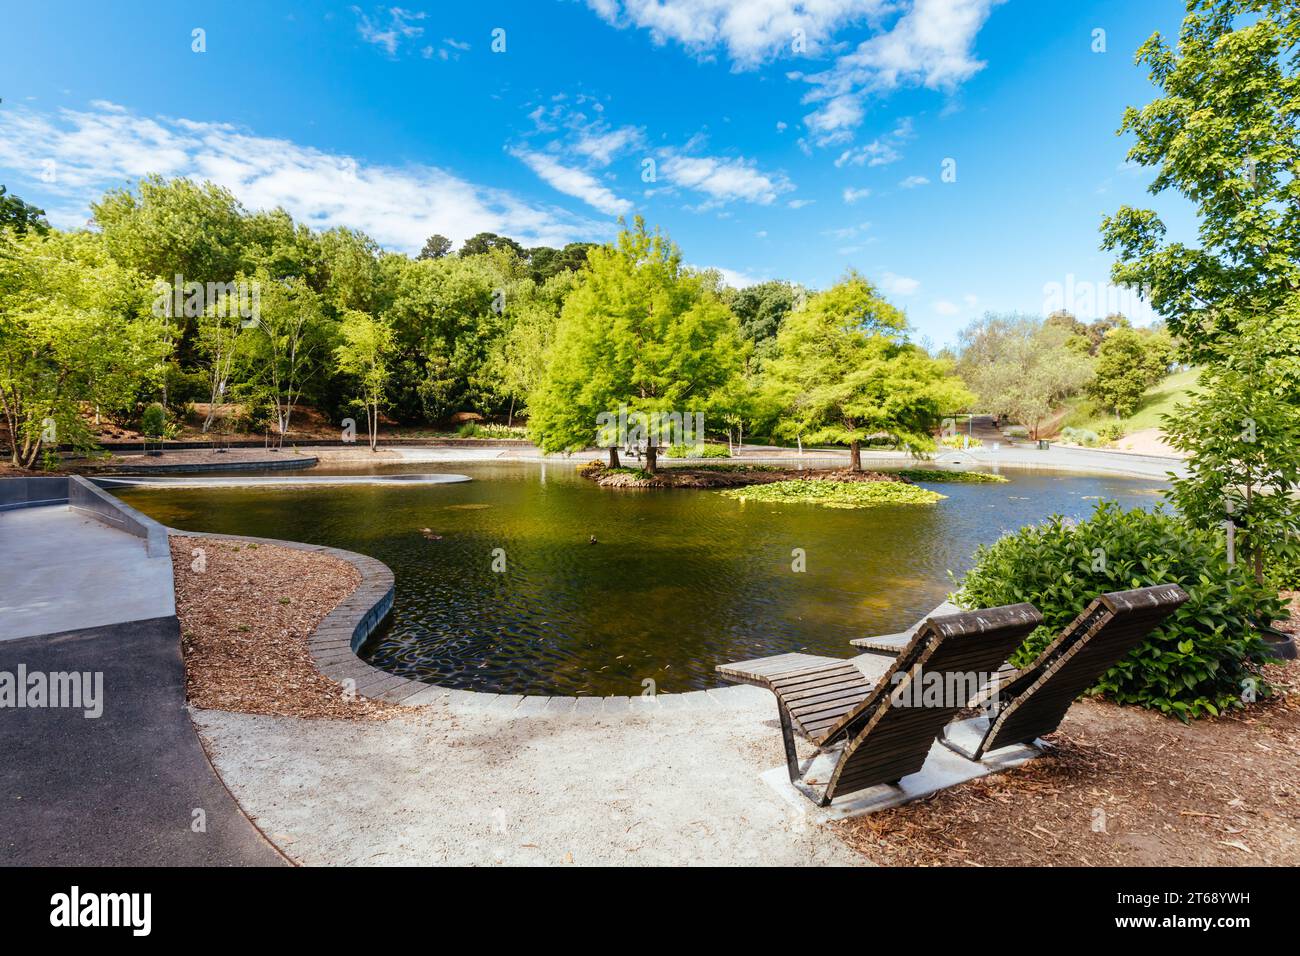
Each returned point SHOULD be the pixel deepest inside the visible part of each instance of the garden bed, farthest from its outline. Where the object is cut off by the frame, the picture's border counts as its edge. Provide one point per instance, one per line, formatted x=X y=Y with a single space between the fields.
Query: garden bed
x=1123 y=786
x=246 y=612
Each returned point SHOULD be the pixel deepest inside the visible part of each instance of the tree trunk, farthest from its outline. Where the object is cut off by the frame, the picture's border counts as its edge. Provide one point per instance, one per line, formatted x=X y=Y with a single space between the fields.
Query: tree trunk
x=855 y=456
x=651 y=458
x=510 y=417
x=613 y=456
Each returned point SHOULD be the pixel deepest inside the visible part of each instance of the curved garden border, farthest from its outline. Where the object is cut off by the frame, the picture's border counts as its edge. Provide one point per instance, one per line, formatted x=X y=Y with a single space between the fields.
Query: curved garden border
x=334 y=643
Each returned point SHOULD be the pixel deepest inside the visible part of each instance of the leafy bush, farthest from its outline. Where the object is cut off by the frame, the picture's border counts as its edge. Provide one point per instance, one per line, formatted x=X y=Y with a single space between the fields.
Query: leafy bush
x=1111 y=431
x=698 y=451
x=960 y=441
x=469 y=430
x=1080 y=436
x=153 y=423
x=1201 y=661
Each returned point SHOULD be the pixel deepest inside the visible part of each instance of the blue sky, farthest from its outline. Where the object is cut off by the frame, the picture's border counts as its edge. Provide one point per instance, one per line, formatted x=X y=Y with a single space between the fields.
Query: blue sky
x=770 y=139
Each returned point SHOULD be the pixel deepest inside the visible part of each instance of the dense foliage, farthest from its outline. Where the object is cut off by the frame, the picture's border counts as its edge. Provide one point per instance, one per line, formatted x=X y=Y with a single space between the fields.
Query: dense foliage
x=1202 y=660
x=836 y=494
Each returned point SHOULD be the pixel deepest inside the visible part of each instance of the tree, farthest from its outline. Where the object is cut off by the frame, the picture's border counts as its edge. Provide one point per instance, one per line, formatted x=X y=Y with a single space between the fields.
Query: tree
x=75 y=330
x=639 y=332
x=846 y=371
x=483 y=242
x=290 y=330
x=363 y=353
x=1241 y=432
x=1121 y=372
x=21 y=216
x=435 y=247
x=516 y=360
x=219 y=343
x=1021 y=367
x=1225 y=135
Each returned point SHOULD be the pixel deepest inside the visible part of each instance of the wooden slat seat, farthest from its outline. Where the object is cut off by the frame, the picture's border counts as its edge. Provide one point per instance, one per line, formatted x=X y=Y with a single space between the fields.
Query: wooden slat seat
x=892 y=645
x=1031 y=703
x=886 y=733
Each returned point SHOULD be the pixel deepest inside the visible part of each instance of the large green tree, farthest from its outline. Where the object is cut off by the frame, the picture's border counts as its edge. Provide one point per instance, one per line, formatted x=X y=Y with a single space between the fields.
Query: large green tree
x=845 y=371
x=1225 y=135
x=76 y=335
x=639 y=332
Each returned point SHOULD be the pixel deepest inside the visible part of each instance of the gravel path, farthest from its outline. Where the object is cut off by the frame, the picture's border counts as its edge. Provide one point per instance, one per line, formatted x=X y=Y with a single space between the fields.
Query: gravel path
x=460 y=784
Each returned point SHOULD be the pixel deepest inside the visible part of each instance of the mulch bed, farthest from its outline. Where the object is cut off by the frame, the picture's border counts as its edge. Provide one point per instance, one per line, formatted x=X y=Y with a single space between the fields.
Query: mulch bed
x=1124 y=786
x=245 y=620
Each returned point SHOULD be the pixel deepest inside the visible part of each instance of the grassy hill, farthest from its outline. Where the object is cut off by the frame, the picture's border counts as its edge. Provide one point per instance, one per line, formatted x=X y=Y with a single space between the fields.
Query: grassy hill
x=1159 y=400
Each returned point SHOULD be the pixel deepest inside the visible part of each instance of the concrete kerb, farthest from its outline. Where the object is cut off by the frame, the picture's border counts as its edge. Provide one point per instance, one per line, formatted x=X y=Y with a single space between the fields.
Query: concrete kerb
x=337 y=638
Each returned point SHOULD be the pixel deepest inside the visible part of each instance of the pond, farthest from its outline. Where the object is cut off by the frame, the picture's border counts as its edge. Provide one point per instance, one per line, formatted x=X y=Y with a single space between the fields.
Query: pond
x=677 y=582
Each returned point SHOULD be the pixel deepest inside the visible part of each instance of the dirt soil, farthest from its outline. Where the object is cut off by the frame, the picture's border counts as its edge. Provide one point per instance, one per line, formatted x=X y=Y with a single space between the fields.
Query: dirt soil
x=1124 y=786
x=720 y=476
x=246 y=612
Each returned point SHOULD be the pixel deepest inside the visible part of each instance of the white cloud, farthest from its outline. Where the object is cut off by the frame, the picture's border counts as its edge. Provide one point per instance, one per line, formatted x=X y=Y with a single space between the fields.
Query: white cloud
x=944 y=307
x=602 y=145
x=899 y=285
x=399 y=207
x=852 y=195
x=723 y=179
x=573 y=182
x=931 y=44
x=392 y=26
x=735 y=279
x=882 y=150
x=911 y=182
x=751 y=31
x=800 y=203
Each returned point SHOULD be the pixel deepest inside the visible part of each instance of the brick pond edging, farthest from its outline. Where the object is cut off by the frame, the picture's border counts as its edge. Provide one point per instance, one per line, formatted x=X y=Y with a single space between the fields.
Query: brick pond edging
x=336 y=639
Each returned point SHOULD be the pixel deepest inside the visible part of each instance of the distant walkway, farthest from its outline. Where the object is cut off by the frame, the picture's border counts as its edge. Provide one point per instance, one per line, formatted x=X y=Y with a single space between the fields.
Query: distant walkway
x=65 y=570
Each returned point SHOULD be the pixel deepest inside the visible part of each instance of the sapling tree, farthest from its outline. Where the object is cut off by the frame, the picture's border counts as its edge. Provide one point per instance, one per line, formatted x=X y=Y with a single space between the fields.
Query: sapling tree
x=365 y=345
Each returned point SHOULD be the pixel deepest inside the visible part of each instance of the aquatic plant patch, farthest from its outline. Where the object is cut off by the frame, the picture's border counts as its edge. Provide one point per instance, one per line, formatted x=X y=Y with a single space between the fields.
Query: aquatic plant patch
x=955 y=477
x=837 y=494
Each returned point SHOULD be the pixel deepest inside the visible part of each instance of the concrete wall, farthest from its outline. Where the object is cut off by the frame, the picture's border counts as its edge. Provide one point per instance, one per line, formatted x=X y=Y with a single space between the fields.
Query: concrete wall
x=32 y=492
x=84 y=497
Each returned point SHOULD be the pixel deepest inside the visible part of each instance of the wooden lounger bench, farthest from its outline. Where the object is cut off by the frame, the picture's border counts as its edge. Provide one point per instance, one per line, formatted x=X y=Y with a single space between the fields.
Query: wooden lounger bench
x=891 y=645
x=1031 y=703
x=884 y=738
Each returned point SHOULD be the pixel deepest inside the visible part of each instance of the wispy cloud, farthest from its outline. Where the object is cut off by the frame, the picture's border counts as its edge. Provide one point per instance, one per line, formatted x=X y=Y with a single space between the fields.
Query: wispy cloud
x=390 y=28
x=899 y=285
x=927 y=43
x=882 y=150
x=911 y=182
x=723 y=179
x=573 y=182
x=852 y=195
x=108 y=145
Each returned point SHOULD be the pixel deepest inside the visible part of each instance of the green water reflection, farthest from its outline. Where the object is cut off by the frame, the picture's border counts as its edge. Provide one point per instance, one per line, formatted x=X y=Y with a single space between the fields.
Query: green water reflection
x=678 y=581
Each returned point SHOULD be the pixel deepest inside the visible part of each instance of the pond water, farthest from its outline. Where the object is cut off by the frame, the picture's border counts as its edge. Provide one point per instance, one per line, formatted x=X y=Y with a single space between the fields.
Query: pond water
x=677 y=582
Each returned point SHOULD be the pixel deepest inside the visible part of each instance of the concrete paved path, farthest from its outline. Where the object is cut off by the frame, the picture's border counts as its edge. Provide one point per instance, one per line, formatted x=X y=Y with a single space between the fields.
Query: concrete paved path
x=475 y=784
x=129 y=787
x=64 y=570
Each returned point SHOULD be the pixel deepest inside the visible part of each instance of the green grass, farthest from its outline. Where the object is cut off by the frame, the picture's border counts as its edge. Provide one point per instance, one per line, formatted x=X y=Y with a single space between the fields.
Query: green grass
x=836 y=494
x=1158 y=401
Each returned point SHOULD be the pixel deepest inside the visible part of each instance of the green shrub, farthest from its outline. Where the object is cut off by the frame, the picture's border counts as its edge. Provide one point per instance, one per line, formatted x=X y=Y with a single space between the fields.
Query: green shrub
x=493 y=430
x=698 y=451
x=1111 y=431
x=960 y=441
x=153 y=423
x=1201 y=661
x=469 y=430
x=1081 y=436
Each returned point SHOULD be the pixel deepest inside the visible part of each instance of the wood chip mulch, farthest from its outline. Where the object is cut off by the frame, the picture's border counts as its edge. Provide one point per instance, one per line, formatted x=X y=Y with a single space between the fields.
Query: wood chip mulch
x=1124 y=786
x=246 y=611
